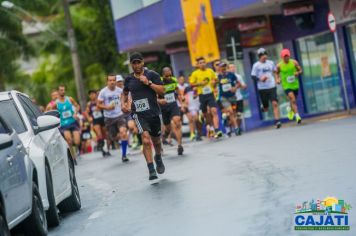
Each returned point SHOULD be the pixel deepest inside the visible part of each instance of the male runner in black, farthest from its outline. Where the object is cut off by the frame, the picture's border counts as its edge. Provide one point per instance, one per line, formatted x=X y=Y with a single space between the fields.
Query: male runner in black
x=144 y=86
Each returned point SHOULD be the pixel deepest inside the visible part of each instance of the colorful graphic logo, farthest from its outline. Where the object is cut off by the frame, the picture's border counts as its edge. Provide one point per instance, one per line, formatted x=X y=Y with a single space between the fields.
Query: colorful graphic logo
x=328 y=214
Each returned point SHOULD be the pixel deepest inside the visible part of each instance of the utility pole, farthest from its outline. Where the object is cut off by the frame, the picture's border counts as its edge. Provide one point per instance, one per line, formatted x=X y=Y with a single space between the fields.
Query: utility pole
x=75 y=58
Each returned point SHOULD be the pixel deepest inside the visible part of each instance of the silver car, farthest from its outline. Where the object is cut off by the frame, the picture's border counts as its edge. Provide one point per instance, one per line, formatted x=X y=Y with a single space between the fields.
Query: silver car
x=20 y=200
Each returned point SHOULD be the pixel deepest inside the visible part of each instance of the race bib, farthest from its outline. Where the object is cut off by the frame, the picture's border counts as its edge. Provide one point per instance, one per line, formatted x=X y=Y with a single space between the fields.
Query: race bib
x=114 y=102
x=170 y=97
x=207 y=90
x=226 y=87
x=142 y=105
x=291 y=79
x=86 y=135
x=66 y=114
x=97 y=114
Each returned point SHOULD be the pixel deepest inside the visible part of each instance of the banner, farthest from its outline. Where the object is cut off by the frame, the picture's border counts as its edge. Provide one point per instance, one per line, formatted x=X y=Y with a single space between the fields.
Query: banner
x=343 y=10
x=200 y=30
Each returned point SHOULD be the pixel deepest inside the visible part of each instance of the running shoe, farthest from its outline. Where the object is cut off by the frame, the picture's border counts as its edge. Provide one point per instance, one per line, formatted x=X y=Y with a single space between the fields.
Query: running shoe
x=125 y=159
x=298 y=119
x=290 y=114
x=152 y=175
x=237 y=132
x=278 y=125
x=159 y=164
x=192 y=136
x=180 y=150
x=198 y=138
x=219 y=134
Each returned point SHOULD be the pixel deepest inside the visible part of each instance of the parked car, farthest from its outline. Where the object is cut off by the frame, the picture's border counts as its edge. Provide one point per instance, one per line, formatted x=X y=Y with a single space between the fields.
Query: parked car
x=49 y=152
x=20 y=200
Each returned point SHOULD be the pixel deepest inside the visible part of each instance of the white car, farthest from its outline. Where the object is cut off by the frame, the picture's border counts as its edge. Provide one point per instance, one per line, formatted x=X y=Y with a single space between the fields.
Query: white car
x=48 y=150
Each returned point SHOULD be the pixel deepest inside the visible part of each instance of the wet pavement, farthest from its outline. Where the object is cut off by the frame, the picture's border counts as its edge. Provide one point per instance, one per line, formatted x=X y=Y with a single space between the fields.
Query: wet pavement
x=246 y=185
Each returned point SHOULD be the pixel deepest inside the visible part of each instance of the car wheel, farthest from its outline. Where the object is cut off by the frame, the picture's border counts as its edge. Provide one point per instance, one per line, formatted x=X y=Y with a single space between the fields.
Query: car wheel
x=52 y=212
x=73 y=202
x=36 y=223
x=4 y=229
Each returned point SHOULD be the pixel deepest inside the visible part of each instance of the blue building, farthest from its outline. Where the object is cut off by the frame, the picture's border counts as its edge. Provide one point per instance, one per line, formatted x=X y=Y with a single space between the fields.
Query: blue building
x=157 y=26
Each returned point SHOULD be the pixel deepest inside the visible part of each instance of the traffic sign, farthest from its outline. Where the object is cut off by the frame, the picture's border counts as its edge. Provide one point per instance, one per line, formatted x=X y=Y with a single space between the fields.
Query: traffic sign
x=332 y=22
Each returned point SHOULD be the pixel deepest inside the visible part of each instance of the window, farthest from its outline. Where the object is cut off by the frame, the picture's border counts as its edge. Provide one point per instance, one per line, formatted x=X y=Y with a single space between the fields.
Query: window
x=12 y=116
x=31 y=110
x=321 y=82
x=3 y=128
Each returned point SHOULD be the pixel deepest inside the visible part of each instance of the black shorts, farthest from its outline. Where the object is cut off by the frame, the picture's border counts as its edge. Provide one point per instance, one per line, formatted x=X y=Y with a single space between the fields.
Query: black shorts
x=150 y=124
x=268 y=95
x=99 y=121
x=295 y=91
x=240 y=106
x=169 y=112
x=207 y=100
x=113 y=126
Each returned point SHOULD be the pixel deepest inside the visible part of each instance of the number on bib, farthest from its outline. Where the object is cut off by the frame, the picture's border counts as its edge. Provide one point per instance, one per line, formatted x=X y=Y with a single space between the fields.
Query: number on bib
x=226 y=87
x=66 y=114
x=207 y=90
x=170 y=97
x=291 y=79
x=142 y=105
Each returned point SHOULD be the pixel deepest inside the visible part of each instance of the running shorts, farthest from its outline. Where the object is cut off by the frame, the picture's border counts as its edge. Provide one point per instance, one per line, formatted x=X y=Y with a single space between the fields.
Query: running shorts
x=268 y=95
x=207 y=100
x=150 y=124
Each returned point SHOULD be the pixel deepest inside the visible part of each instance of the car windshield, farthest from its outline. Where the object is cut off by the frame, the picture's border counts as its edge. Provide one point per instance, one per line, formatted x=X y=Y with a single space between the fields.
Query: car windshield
x=12 y=116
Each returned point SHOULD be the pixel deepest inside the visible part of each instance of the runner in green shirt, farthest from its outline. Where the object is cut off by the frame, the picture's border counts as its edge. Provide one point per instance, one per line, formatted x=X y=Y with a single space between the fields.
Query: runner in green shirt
x=288 y=71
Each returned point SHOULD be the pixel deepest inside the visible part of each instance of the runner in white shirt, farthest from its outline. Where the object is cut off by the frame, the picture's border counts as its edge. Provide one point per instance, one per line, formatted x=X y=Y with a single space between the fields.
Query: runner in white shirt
x=109 y=102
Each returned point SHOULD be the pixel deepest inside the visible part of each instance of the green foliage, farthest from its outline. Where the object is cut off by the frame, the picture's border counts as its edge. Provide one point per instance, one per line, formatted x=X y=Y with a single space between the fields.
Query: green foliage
x=93 y=25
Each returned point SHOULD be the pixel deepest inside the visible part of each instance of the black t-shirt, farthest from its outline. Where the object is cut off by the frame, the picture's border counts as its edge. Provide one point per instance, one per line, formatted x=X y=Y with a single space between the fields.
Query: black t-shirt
x=144 y=99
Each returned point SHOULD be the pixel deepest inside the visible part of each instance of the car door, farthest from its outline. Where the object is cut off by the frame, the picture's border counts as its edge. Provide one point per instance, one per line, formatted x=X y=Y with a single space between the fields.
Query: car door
x=52 y=145
x=14 y=177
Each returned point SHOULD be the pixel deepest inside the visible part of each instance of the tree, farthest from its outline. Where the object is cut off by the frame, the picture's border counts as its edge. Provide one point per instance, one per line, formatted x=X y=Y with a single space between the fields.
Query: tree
x=93 y=25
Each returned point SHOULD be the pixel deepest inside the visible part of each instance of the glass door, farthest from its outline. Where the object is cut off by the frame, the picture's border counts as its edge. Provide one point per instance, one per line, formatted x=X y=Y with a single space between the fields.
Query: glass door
x=351 y=32
x=321 y=82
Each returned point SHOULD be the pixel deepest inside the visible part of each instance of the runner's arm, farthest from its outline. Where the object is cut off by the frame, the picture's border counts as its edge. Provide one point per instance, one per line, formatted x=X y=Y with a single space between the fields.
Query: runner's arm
x=77 y=106
x=124 y=99
x=101 y=105
x=299 y=68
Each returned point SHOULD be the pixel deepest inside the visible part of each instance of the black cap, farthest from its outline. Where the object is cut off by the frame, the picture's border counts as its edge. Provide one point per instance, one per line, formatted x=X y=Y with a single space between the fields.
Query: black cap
x=136 y=56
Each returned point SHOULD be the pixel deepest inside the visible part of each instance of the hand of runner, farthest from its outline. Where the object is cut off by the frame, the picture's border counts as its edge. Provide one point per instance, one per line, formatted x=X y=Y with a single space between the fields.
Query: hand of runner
x=233 y=89
x=162 y=101
x=126 y=108
x=264 y=78
x=144 y=79
x=111 y=107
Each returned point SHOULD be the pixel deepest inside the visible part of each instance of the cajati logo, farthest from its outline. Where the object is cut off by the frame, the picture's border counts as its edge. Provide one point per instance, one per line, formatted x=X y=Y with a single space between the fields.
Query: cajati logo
x=328 y=214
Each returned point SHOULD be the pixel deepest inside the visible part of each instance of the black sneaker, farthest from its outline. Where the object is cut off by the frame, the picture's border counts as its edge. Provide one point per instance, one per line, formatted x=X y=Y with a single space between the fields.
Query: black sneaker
x=278 y=125
x=106 y=154
x=152 y=175
x=125 y=159
x=75 y=161
x=198 y=138
x=180 y=150
x=159 y=164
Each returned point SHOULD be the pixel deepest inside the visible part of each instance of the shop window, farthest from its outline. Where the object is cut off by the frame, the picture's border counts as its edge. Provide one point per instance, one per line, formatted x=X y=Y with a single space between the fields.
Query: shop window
x=321 y=82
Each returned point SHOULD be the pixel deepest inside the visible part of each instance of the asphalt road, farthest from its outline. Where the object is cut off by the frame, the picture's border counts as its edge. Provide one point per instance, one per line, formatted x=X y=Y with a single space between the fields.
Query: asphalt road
x=246 y=185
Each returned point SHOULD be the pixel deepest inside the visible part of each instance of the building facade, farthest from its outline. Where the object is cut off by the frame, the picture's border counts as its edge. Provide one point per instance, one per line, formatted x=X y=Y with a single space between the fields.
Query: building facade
x=301 y=26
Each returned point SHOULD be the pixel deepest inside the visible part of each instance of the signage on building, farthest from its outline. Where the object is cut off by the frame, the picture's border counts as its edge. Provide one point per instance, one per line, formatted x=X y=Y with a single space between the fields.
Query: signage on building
x=344 y=10
x=233 y=45
x=297 y=8
x=200 y=30
x=255 y=31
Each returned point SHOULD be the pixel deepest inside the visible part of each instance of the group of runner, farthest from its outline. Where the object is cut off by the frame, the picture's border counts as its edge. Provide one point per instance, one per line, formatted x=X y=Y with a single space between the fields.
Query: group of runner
x=149 y=107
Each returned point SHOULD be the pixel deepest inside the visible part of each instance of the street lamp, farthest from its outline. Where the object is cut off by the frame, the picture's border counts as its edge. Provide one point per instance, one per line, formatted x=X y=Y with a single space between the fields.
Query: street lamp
x=72 y=45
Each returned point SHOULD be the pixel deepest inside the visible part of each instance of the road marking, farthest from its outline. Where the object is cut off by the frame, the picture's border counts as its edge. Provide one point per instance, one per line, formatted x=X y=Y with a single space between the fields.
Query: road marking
x=95 y=215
